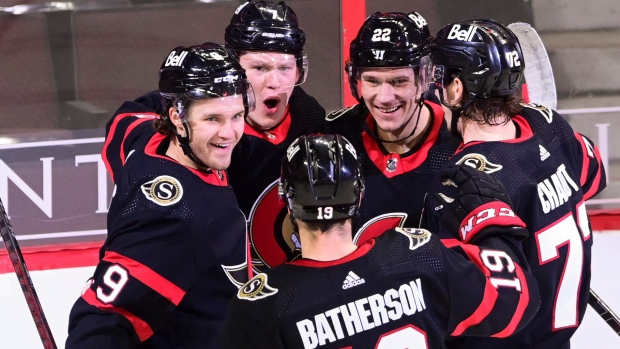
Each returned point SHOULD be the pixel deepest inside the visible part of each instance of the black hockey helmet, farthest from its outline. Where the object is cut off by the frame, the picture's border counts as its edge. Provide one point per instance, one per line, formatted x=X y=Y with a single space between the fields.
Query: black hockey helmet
x=321 y=178
x=390 y=39
x=268 y=26
x=203 y=71
x=484 y=54
x=265 y=26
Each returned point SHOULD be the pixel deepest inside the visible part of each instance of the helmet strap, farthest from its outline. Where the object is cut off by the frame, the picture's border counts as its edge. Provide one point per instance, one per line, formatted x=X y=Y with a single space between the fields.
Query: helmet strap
x=187 y=149
x=375 y=136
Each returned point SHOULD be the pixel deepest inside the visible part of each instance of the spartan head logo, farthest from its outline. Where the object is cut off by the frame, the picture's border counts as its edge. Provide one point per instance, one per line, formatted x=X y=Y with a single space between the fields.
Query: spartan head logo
x=479 y=162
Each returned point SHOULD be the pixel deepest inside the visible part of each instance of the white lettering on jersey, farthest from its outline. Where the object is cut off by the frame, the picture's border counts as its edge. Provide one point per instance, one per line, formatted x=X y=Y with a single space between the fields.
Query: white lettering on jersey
x=555 y=190
x=362 y=315
x=175 y=60
x=462 y=35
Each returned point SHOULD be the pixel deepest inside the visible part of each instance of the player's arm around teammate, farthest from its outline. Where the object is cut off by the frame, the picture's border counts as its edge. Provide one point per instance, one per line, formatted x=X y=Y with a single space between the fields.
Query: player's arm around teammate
x=404 y=289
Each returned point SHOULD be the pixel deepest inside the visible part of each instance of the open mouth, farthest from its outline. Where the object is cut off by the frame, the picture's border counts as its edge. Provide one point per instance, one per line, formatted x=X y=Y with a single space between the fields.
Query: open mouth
x=388 y=110
x=271 y=104
x=221 y=146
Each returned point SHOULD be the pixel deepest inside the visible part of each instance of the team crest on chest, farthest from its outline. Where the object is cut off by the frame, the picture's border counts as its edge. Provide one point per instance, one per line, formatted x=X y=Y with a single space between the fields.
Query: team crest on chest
x=479 y=162
x=163 y=190
x=417 y=237
x=256 y=288
x=392 y=164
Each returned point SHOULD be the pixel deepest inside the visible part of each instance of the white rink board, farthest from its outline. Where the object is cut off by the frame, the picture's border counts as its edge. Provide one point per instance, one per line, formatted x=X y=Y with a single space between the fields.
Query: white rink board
x=58 y=290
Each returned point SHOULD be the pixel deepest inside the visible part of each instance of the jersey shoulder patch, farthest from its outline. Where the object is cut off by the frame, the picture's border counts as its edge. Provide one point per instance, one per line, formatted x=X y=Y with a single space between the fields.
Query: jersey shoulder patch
x=338 y=113
x=545 y=111
x=479 y=162
x=255 y=289
x=163 y=190
x=417 y=237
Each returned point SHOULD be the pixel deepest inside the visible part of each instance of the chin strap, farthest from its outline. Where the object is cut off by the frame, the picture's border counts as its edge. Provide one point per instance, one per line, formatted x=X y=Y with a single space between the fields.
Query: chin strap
x=187 y=149
x=374 y=136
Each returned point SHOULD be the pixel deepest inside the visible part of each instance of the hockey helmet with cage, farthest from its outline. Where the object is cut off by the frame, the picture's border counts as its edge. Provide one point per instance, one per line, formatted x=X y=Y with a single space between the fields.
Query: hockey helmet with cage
x=268 y=26
x=390 y=39
x=321 y=178
x=484 y=54
x=203 y=71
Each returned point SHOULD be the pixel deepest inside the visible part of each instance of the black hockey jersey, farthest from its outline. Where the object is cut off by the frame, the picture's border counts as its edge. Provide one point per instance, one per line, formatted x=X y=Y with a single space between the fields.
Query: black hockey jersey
x=254 y=174
x=395 y=183
x=401 y=290
x=175 y=253
x=549 y=171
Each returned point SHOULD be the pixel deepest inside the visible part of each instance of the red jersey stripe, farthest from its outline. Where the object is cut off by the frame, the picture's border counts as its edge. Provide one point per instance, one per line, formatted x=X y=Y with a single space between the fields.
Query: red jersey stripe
x=127 y=132
x=110 y=136
x=524 y=300
x=488 y=300
x=147 y=276
x=143 y=330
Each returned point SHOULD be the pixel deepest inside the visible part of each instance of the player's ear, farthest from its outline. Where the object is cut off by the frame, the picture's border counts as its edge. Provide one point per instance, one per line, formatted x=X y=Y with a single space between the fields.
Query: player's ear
x=176 y=119
x=455 y=91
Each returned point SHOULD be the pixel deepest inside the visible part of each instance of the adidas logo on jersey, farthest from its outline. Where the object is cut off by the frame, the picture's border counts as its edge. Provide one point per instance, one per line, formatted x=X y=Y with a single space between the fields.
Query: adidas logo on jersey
x=352 y=280
x=544 y=153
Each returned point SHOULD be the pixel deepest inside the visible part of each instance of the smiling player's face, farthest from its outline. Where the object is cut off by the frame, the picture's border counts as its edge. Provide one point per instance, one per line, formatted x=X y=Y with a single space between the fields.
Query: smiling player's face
x=390 y=95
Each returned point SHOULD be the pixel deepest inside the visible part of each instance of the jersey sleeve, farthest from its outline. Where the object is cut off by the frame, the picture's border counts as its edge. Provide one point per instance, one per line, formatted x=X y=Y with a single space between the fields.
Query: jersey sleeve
x=492 y=292
x=121 y=132
x=593 y=178
x=143 y=275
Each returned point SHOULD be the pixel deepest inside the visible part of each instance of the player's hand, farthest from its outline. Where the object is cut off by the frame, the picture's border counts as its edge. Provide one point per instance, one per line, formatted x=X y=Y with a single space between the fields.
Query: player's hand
x=481 y=202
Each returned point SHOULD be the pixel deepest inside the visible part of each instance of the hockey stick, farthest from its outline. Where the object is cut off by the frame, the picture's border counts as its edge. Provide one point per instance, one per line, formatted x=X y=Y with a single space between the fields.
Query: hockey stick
x=604 y=311
x=15 y=254
x=540 y=84
x=541 y=89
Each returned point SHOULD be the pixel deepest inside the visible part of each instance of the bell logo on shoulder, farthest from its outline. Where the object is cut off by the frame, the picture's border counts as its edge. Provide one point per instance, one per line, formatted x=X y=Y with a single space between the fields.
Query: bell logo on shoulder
x=163 y=190
x=175 y=60
x=463 y=35
x=256 y=289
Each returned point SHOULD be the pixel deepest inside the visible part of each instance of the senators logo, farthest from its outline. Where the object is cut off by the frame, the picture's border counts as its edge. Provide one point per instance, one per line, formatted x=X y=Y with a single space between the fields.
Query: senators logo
x=479 y=162
x=271 y=232
x=256 y=288
x=163 y=190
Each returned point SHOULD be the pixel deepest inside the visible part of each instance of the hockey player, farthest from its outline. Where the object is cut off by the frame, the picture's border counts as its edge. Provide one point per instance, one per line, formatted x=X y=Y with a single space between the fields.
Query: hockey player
x=270 y=45
x=176 y=247
x=404 y=289
x=402 y=141
x=549 y=171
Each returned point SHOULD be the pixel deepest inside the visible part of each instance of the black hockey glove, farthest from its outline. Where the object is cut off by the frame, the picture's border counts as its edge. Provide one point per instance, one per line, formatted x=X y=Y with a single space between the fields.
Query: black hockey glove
x=481 y=202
